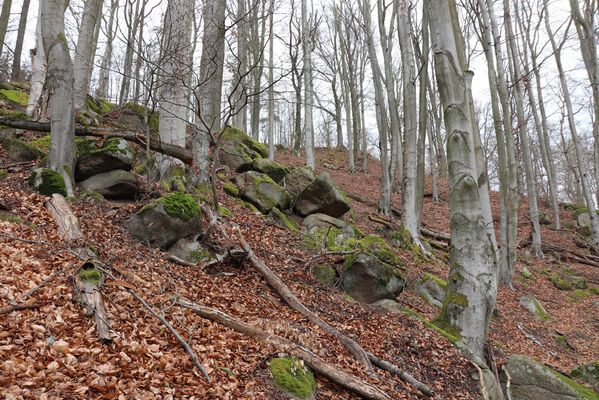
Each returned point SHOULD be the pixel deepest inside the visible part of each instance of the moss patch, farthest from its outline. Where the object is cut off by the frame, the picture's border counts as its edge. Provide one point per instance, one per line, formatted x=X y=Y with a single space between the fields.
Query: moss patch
x=199 y=256
x=325 y=274
x=99 y=106
x=232 y=134
x=560 y=283
x=141 y=110
x=89 y=273
x=231 y=189
x=3 y=174
x=179 y=205
x=222 y=210
x=47 y=181
x=9 y=217
x=290 y=376
x=15 y=96
x=18 y=115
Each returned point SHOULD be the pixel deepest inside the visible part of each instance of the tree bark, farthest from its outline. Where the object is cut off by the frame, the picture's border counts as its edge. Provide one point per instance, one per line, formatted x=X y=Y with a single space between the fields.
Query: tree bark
x=4 y=17
x=85 y=51
x=104 y=78
x=308 y=94
x=16 y=62
x=271 y=83
x=472 y=283
x=59 y=80
x=38 y=71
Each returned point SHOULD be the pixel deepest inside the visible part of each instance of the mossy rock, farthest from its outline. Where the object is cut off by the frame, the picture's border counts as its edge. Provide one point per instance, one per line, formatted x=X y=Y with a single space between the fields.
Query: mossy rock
x=18 y=115
x=271 y=168
x=323 y=221
x=190 y=251
x=21 y=151
x=588 y=373
x=280 y=218
x=162 y=222
x=431 y=288
x=260 y=190
x=292 y=377
x=368 y=279
x=132 y=115
x=376 y=247
x=578 y=282
x=247 y=205
x=526 y=274
x=176 y=178
x=115 y=184
x=532 y=380
x=99 y=106
x=47 y=181
x=560 y=283
x=16 y=97
x=234 y=135
x=222 y=210
x=534 y=307
x=3 y=174
x=297 y=180
x=231 y=189
x=322 y=196
x=326 y=274
x=115 y=153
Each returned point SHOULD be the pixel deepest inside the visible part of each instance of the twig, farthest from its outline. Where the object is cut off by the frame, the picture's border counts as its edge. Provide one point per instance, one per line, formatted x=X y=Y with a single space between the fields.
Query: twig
x=26 y=240
x=404 y=376
x=48 y=279
x=19 y=307
x=536 y=341
x=482 y=382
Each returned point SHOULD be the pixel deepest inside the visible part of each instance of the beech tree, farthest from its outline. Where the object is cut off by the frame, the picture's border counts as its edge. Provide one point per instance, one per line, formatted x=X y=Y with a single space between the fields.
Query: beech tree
x=472 y=283
x=16 y=61
x=59 y=80
x=4 y=17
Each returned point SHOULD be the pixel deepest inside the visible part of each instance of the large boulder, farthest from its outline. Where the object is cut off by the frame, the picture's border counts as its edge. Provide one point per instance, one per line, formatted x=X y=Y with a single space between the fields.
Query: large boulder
x=533 y=381
x=368 y=279
x=284 y=220
x=20 y=151
x=164 y=221
x=431 y=288
x=588 y=373
x=271 y=168
x=323 y=221
x=133 y=115
x=260 y=190
x=47 y=181
x=297 y=180
x=322 y=196
x=116 y=184
x=114 y=154
x=238 y=151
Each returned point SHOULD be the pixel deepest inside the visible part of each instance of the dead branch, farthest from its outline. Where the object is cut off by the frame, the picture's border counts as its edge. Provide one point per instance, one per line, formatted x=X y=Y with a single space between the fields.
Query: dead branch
x=404 y=376
x=283 y=290
x=68 y=225
x=107 y=133
x=435 y=235
x=48 y=279
x=320 y=366
x=536 y=341
x=19 y=307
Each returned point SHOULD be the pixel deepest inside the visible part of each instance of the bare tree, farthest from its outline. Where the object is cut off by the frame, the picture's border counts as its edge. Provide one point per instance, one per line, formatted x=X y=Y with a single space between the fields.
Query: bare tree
x=308 y=86
x=4 y=17
x=16 y=61
x=106 y=64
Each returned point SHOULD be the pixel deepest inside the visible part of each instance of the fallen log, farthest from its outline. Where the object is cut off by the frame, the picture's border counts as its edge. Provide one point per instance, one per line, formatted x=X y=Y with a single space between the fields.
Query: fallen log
x=283 y=290
x=317 y=364
x=107 y=133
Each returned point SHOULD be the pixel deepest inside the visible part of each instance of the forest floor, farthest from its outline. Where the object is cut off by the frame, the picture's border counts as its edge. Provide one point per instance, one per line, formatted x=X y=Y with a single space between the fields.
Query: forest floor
x=145 y=361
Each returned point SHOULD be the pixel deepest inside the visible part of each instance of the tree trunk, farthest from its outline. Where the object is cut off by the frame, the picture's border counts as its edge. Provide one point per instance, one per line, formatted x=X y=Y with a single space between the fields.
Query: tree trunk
x=104 y=78
x=16 y=62
x=240 y=95
x=173 y=72
x=345 y=91
x=472 y=283
x=59 y=80
x=4 y=17
x=38 y=71
x=132 y=20
x=210 y=87
x=85 y=51
x=308 y=94
x=137 y=94
x=271 y=83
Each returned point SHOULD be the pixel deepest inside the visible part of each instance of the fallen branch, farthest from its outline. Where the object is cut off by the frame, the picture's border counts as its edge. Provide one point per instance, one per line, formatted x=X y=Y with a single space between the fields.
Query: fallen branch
x=536 y=341
x=283 y=290
x=48 y=279
x=320 y=366
x=435 y=235
x=404 y=376
x=135 y=137
x=19 y=307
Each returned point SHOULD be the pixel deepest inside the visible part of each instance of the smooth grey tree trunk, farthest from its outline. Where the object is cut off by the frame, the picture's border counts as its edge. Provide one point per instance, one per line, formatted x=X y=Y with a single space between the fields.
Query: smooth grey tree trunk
x=132 y=20
x=174 y=68
x=4 y=17
x=84 y=51
x=257 y=50
x=16 y=62
x=472 y=283
x=59 y=80
x=240 y=94
x=38 y=71
x=345 y=89
x=106 y=64
x=209 y=87
x=271 y=82
x=308 y=94
x=137 y=93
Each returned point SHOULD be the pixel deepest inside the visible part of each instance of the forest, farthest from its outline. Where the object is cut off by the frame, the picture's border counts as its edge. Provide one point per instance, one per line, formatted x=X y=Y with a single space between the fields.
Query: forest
x=299 y=199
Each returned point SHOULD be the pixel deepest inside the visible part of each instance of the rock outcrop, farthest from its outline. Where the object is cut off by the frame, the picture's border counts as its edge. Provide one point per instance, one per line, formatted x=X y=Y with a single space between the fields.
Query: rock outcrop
x=115 y=184
x=322 y=196
x=260 y=190
x=114 y=154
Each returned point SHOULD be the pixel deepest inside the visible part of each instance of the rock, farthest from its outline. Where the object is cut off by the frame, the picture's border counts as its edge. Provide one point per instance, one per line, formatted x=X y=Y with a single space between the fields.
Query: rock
x=431 y=288
x=47 y=181
x=560 y=283
x=291 y=376
x=114 y=154
x=297 y=180
x=271 y=168
x=526 y=273
x=533 y=381
x=20 y=151
x=583 y=219
x=190 y=250
x=588 y=373
x=322 y=196
x=117 y=184
x=132 y=115
x=493 y=387
x=324 y=221
x=367 y=279
x=280 y=218
x=578 y=282
x=238 y=151
x=325 y=274
x=260 y=190
x=164 y=221
x=533 y=306
x=389 y=305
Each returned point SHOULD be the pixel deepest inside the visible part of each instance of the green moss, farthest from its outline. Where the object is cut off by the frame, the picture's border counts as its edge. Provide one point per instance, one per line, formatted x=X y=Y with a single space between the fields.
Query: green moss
x=200 y=255
x=325 y=274
x=452 y=334
x=442 y=283
x=15 y=96
x=3 y=174
x=89 y=273
x=573 y=299
x=18 y=115
x=282 y=219
x=235 y=135
x=562 y=342
x=349 y=298
x=21 y=146
x=352 y=215
x=582 y=293
x=9 y=218
x=588 y=373
x=290 y=376
x=456 y=298
x=231 y=189
x=100 y=106
x=559 y=283
x=594 y=290
x=222 y=177
x=113 y=145
x=42 y=143
x=222 y=210
x=140 y=110
x=247 y=205
x=47 y=181
x=179 y=205
x=63 y=39
x=583 y=392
